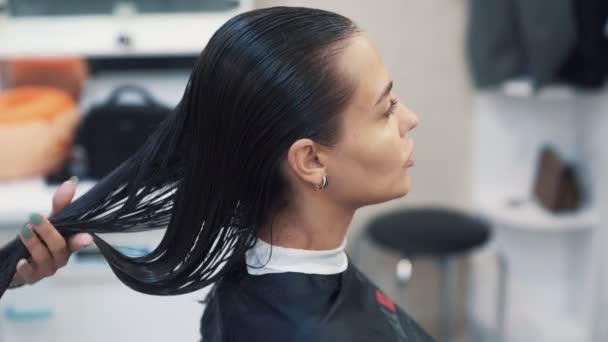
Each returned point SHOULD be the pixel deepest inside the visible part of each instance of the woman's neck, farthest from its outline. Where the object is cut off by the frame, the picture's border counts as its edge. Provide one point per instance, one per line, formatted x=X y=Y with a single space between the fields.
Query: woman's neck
x=314 y=228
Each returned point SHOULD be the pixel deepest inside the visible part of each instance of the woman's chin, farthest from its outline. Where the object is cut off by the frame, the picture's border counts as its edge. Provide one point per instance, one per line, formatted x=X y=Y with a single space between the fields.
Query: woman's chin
x=398 y=190
x=406 y=186
x=403 y=189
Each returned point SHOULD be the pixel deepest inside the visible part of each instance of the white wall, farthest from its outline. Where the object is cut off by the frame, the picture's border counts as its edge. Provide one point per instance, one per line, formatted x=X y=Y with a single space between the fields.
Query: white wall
x=593 y=143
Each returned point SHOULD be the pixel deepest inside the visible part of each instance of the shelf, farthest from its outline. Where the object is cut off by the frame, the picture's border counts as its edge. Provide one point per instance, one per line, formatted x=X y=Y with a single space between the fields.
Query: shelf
x=528 y=215
x=523 y=88
x=112 y=35
x=19 y=198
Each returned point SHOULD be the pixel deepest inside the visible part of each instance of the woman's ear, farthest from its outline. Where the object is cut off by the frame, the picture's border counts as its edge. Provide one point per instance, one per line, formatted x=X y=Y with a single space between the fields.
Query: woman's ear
x=305 y=161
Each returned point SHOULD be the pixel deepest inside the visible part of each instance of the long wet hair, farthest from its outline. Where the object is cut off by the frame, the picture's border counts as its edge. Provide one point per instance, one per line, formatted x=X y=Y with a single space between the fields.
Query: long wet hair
x=210 y=174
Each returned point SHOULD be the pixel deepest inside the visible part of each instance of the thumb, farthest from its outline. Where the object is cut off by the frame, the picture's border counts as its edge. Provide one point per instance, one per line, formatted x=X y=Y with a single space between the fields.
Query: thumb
x=64 y=195
x=79 y=241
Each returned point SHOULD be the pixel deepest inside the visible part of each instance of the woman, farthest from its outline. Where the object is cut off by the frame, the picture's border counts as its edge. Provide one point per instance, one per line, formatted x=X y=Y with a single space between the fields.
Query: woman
x=287 y=126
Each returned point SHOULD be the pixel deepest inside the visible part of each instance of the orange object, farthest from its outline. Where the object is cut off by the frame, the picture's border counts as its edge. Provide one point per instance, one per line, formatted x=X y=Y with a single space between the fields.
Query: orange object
x=67 y=73
x=37 y=127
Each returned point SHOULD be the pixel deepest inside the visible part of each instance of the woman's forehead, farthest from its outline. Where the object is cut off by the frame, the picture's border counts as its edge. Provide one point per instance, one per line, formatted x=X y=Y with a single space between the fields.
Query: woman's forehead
x=362 y=64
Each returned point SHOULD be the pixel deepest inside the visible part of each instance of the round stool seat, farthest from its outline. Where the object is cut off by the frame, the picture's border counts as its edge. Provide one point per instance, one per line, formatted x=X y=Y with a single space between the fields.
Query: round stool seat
x=428 y=232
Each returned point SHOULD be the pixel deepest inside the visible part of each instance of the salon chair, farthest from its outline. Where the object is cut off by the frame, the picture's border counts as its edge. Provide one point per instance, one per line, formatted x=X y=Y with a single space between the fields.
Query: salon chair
x=441 y=234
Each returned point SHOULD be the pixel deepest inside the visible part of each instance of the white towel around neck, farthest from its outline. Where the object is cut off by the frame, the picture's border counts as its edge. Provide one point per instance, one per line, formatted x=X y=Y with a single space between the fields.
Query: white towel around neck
x=261 y=261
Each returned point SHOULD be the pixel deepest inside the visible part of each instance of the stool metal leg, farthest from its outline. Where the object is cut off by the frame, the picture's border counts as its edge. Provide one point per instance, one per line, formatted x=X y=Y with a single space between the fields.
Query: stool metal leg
x=403 y=272
x=355 y=256
x=445 y=298
x=472 y=332
x=358 y=246
x=501 y=294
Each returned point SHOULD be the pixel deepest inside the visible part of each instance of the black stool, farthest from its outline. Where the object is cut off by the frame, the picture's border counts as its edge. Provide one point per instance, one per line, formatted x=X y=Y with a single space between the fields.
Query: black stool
x=438 y=233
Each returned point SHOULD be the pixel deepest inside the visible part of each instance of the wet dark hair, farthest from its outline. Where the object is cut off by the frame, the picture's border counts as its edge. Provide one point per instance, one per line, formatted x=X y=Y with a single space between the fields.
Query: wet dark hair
x=211 y=173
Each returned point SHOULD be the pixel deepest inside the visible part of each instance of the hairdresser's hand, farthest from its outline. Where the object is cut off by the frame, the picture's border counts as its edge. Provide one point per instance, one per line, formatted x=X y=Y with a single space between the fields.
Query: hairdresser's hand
x=49 y=250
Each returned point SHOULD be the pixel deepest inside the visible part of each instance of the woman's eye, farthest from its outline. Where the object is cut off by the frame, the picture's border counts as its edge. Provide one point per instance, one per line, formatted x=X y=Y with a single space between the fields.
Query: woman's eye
x=392 y=107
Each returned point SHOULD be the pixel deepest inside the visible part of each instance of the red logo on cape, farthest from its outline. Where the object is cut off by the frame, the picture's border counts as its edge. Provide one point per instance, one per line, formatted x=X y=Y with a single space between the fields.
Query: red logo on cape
x=385 y=301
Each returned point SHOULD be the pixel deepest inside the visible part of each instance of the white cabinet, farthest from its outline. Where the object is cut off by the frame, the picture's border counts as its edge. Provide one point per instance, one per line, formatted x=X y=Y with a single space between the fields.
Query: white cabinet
x=86 y=302
x=554 y=259
x=122 y=32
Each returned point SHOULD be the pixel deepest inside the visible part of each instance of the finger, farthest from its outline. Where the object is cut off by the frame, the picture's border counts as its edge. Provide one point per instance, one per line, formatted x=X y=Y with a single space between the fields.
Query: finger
x=64 y=195
x=26 y=272
x=42 y=262
x=79 y=241
x=55 y=243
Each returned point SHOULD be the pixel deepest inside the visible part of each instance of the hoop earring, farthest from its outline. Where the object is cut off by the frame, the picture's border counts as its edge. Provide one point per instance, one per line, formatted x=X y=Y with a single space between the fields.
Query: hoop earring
x=324 y=184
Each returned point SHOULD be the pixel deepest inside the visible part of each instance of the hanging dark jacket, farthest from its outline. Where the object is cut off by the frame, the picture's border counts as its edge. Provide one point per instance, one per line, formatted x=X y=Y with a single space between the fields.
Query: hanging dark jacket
x=587 y=66
x=511 y=38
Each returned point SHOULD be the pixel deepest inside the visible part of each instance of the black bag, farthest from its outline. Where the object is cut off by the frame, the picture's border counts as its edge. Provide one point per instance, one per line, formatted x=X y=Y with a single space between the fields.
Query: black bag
x=113 y=131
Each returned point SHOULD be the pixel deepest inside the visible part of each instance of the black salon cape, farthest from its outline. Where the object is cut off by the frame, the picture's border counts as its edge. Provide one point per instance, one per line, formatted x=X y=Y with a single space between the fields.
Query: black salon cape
x=281 y=307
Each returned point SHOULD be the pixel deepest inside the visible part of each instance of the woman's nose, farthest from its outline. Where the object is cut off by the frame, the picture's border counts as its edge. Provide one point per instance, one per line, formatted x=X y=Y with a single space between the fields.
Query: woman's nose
x=410 y=121
x=413 y=120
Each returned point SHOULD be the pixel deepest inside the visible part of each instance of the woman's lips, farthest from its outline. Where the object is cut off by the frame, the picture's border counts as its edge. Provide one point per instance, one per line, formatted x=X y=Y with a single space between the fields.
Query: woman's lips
x=410 y=161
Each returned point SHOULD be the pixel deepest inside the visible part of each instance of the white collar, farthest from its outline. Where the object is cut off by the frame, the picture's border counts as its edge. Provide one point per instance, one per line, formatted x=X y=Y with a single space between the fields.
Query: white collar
x=260 y=260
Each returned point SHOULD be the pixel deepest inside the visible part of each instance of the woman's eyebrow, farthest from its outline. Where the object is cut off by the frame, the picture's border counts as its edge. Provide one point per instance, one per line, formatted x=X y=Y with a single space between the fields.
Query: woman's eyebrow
x=386 y=91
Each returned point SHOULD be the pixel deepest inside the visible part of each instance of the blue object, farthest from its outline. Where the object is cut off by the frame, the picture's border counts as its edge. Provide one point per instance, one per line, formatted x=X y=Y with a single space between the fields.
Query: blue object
x=13 y=314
